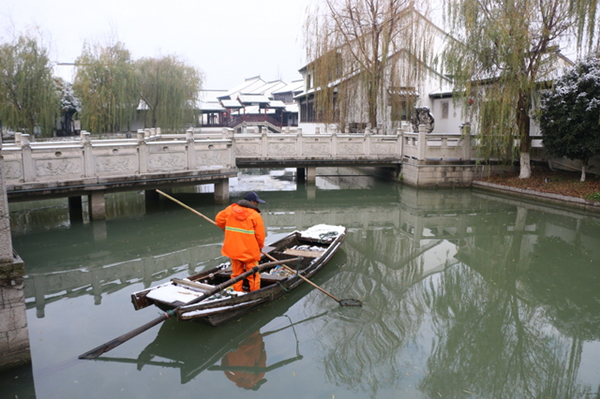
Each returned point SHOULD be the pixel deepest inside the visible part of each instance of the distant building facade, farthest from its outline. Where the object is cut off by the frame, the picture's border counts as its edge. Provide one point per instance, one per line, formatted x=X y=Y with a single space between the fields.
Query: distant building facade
x=255 y=102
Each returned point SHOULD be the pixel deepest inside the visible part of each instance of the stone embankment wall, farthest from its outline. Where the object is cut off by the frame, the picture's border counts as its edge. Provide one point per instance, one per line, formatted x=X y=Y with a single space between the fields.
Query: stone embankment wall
x=14 y=338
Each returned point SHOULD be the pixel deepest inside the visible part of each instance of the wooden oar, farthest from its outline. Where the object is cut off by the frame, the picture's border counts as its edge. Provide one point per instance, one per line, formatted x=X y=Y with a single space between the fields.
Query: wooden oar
x=342 y=302
x=185 y=206
x=94 y=353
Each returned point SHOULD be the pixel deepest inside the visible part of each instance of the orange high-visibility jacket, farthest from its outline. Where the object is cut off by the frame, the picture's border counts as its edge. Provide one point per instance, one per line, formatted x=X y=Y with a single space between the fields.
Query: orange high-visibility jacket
x=244 y=231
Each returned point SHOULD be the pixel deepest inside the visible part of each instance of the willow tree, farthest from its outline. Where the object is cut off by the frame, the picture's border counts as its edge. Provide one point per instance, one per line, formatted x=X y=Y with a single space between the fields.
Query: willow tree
x=107 y=87
x=28 y=96
x=169 y=88
x=504 y=50
x=362 y=53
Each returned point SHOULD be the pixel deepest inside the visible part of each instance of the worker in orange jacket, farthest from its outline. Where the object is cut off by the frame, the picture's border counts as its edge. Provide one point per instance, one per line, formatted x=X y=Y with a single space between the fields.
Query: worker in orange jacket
x=244 y=238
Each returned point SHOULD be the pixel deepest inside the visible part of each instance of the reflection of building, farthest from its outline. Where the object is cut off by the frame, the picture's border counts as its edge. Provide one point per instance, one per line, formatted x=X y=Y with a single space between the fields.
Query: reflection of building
x=254 y=103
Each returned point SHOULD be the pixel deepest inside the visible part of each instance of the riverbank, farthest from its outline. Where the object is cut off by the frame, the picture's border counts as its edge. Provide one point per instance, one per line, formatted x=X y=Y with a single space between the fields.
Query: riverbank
x=556 y=186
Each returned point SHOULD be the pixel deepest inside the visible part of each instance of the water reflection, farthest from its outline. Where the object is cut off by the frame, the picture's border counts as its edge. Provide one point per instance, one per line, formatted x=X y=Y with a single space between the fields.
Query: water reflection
x=464 y=292
x=245 y=366
x=240 y=354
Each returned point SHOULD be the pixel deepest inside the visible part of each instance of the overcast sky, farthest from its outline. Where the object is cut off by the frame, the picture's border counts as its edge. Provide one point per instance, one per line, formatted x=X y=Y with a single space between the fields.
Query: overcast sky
x=228 y=40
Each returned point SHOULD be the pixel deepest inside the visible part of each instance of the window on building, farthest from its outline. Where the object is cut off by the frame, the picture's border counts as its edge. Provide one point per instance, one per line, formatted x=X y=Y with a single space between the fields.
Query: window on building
x=445 y=109
x=307 y=110
x=402 y=100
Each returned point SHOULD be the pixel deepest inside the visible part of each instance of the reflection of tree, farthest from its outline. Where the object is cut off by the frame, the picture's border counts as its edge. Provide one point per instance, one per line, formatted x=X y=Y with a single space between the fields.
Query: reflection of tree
x=568 y=287
x=359 y=341
x=491 y=341
x=490 y=334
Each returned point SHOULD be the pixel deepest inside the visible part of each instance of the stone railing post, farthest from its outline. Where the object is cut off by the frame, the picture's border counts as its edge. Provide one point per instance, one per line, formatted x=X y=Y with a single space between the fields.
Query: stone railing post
x=263 y=144
x=88 y=154
x=334 y=144
x=466 y=141
x=422 y=142
x=299 y=147
x=400 y=143
x=27 y=159
x=142 y=151
x=6 y=251
x=191 y=149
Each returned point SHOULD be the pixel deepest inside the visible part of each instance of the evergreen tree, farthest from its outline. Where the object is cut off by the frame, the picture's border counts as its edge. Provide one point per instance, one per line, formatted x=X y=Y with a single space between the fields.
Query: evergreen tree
x=570 y=114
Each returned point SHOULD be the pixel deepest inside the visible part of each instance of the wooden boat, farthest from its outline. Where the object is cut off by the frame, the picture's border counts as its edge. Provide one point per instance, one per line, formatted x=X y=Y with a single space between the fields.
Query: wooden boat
x=315 y=246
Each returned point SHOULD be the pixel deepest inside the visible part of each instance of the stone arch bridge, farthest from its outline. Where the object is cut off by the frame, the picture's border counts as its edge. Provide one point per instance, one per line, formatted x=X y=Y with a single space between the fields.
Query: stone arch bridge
x=85 y=167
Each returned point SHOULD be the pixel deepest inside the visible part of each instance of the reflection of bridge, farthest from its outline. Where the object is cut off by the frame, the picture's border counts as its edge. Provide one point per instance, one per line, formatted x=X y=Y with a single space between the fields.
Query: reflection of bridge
x=151 y=160
x=116 y=260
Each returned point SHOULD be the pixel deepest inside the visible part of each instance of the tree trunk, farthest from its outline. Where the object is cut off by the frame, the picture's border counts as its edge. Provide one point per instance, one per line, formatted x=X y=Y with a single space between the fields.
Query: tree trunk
x=583 y=167
x=523 y=124
x=525 y=166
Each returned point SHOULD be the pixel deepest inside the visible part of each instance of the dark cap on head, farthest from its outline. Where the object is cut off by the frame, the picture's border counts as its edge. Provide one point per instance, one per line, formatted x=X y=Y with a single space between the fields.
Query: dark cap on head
x=252 y=196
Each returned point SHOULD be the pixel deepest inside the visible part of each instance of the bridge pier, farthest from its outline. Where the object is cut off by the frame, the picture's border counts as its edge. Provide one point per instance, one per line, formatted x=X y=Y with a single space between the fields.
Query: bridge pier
x=222 y=191
x=97 y=205
x=311 y=174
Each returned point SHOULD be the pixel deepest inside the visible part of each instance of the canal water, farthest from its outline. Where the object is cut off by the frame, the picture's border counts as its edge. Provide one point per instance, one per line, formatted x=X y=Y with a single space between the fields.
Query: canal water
x=466 y=294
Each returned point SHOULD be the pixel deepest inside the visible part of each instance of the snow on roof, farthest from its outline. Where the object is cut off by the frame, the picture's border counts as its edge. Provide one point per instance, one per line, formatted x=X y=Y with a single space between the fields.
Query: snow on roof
x=291 y=107
x=268 y=88
x=256 y=110
x=208 y=100
x=276 y=104
x=293 y=87
x=142 y=106
x=202 y=106
x=253 y=99
x=210 y=95
x=441 y=92
x=247 y=87
x=231 y=104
